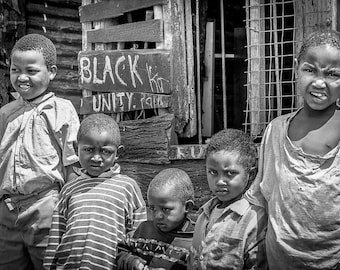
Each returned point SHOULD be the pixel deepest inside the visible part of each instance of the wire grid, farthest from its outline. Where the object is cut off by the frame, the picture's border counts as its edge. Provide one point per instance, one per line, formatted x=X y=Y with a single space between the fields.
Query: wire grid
x=275 y=30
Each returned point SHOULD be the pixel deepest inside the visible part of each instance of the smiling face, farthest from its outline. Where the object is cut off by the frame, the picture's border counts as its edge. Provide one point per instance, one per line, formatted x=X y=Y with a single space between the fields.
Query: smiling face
x=168 y=212
x=318 y=77
x=227 y=178
x=97 y=151
x=29 y=74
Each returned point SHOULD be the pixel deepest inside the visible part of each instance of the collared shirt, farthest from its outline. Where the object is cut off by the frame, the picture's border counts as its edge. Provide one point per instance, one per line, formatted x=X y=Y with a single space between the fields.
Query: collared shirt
x=93 y=214
x=302 y=194
x=36 y=143
x=234 y=241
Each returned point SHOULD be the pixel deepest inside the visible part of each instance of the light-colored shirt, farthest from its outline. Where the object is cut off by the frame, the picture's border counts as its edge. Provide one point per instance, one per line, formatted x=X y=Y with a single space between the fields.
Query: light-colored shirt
x=91 y=217
x=36 y=143
x=302 y=194
x=234 y=241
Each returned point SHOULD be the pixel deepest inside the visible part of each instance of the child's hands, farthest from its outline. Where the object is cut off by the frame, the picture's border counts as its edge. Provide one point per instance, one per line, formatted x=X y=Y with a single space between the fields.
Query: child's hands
x=127 y=261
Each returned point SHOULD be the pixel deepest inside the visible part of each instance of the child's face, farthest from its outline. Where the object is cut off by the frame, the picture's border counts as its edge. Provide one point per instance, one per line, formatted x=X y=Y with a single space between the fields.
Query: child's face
x=318 y=77
x=29 y=74
x=97 y=152
x=167 y=211
x=227 y=178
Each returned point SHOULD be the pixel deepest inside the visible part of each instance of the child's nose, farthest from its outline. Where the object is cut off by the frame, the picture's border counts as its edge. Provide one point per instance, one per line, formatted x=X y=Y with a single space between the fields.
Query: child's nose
x=319 y=83
x=96 y=157
x=22 y=77
x=158 y=214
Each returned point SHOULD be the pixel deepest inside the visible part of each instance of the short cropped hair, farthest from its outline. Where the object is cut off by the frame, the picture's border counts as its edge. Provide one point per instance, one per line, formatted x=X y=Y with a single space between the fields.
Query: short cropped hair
x=319 y=38
x=99 y=122
x=175 y=179
x=39 y=43
x=234 y=140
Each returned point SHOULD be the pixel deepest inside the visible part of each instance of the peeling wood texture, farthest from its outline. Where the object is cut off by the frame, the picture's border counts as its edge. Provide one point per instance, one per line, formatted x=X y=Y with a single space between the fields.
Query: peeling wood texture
x=147 y=31
x=182 y=152
x=113 y=8
x=128 y=70
x=147 y=140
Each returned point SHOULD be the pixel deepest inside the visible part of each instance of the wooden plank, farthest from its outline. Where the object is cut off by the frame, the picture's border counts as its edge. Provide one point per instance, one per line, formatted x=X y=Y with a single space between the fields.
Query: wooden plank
x=187 y=151
x=147 y=140
x=123 y=102
x=113 y=9
x=209 y=82
x=125 y=70
x=147 y=31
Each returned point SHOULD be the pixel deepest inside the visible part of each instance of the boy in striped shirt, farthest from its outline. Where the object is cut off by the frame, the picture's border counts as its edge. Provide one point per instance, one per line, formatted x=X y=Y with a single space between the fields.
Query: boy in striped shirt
x=98 y=208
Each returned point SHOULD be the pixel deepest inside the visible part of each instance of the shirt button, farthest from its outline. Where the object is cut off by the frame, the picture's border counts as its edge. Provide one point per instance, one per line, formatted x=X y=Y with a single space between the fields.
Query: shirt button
x=201 y=258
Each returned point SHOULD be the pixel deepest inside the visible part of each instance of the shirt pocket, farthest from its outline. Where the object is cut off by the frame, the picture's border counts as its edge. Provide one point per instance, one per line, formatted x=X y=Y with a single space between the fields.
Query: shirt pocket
x=38 y=140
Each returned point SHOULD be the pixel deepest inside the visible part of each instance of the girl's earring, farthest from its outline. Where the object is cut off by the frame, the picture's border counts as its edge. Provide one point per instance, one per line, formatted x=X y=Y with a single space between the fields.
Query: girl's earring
x=337 y=102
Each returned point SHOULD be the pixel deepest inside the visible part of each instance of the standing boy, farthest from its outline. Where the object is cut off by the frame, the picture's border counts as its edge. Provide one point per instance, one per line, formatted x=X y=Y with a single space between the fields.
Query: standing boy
x=37 y=132
x=97 y=209
x=229 y=232
x=164 y=241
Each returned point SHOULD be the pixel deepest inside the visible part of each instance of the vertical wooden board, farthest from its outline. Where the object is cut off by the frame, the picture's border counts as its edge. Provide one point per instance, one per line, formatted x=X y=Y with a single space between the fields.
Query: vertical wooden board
x=173 y=22
x=209 y=84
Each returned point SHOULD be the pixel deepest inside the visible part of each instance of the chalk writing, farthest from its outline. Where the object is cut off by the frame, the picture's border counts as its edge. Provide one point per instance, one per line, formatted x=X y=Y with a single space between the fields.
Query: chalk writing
x=111 y=71
x=180 y=152
x=122 y=102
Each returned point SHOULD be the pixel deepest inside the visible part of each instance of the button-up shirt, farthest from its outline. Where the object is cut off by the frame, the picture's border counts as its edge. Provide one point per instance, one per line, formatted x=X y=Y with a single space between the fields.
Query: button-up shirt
x=234 y=241
x=36 y=143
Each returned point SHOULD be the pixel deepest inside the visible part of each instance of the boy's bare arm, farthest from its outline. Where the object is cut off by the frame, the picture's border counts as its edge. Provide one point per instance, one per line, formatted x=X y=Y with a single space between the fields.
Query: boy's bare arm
x=70 y=173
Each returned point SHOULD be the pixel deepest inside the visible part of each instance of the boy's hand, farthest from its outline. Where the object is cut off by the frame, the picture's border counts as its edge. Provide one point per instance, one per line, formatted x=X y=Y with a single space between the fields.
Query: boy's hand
x=127 y=261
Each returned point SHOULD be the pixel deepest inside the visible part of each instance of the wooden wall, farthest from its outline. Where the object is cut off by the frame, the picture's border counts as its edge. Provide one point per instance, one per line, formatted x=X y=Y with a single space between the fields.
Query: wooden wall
x=59 y=21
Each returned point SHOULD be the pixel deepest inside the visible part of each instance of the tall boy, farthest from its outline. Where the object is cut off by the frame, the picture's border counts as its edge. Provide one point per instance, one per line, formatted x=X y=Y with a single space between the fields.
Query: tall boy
x=37 y=132
x=229 y=232
x=97 y=209
x=164 y=241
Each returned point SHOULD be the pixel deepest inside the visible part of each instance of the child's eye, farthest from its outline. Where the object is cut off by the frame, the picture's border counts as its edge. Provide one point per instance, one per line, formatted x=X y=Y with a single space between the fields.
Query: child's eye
x=88 y=150
x=166 y=210
x=212 y=172
x=334 y=74
x=152 y=208
x=308 y=70
x=107 y=152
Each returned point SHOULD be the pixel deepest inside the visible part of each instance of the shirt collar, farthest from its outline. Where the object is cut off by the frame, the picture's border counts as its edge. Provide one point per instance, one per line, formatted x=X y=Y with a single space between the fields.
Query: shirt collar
x=38 y=99
x=239 y=207
x=108 y=174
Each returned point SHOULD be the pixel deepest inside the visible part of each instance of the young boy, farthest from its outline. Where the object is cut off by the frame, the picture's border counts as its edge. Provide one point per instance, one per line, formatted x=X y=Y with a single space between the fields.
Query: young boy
x=164 y=241
x=98 y=208
x=229 y=232
x=299 y=165
x=37 y=132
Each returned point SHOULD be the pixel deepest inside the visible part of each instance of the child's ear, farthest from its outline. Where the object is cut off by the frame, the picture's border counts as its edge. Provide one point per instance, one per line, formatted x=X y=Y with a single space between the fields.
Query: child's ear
x=53 y=72
x=189 y=205
x=120 y=151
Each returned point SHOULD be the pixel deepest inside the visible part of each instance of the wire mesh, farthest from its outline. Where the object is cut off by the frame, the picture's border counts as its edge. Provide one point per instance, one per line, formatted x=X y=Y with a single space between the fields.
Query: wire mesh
x=275 y=29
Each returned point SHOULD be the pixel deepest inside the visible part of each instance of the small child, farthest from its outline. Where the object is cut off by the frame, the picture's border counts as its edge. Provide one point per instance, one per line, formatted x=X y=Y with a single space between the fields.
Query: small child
x=229 y=232
x=299 y=165
x=164 y=241
x=37 y=133
x=96 y=210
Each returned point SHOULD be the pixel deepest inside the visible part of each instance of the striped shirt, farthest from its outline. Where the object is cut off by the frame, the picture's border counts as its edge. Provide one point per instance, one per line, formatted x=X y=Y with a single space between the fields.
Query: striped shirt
x=92 y=215
x=234 y=240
